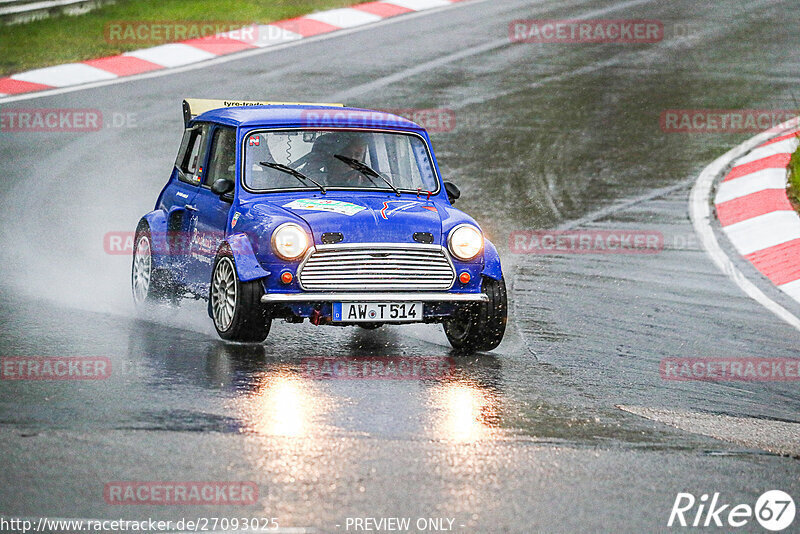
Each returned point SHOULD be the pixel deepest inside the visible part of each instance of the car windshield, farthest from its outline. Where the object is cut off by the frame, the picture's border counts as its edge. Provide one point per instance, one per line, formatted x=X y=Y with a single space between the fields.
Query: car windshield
x=331 y=159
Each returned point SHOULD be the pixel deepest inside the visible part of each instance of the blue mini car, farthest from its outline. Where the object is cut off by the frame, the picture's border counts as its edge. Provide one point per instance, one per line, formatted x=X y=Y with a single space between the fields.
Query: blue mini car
x=321 y=212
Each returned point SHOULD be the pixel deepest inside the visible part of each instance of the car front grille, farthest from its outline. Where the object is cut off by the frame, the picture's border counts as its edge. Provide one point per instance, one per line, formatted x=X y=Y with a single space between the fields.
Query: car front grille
x=377 y=267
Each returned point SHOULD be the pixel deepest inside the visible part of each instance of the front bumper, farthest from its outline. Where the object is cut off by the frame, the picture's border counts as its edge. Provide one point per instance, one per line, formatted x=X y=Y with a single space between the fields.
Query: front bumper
x=272 y=298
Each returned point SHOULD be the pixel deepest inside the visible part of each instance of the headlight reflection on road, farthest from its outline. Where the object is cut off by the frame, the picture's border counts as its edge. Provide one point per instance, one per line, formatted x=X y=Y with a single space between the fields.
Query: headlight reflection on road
x=280 y=407
x=469 y=413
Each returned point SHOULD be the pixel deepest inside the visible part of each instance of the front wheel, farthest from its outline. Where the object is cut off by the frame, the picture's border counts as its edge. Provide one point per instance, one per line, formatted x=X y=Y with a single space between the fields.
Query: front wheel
x=236 y=306
x=480 y=327
x=148 y=284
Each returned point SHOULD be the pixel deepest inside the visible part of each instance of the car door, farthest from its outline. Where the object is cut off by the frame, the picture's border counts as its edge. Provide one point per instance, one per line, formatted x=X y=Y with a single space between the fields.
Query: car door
x=209 y=219
x=179 y=195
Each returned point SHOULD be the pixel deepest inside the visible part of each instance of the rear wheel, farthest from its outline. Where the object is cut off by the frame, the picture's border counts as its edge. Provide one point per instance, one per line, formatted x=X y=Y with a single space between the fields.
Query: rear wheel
x=236 y=307
x=480 y=327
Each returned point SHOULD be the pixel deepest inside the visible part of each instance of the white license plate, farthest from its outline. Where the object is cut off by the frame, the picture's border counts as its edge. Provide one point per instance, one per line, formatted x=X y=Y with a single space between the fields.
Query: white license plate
x=377 y=312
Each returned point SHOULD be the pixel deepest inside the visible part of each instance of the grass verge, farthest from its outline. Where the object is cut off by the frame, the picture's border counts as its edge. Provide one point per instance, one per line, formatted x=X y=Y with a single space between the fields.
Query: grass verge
x=67 y=39
x=793 y=185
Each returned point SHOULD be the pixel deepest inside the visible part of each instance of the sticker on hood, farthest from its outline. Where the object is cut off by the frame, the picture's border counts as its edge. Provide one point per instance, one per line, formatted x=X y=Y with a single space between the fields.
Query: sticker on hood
x=332 y=206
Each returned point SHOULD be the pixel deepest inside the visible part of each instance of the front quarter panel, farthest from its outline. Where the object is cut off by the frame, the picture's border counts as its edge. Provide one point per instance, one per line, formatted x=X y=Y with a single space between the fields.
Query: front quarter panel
x=251 y=228
x=247 y=266
x=491 y=261
x=452 y=217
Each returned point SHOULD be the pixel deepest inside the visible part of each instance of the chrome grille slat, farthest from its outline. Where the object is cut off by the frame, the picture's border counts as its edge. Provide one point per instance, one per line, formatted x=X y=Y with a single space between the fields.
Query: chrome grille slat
x=355 y=268
x=366 y=257
x=366 y=277
x=362 y=275
x=372 y=263
x=379 y=266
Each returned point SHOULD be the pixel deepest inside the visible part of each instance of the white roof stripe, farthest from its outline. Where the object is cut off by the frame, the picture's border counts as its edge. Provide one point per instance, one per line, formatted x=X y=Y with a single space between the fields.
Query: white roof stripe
x=345 y=17
x=64 y=75
x=764 y=231
x=751 y=183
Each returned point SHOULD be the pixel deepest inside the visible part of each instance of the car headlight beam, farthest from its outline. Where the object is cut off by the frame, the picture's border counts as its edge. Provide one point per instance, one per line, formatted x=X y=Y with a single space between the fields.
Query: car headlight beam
x=289 y=241
x=465 y=242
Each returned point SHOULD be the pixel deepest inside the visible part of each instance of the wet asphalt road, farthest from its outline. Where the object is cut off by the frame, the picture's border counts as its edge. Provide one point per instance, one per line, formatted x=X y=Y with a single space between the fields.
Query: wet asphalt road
x=526 y=438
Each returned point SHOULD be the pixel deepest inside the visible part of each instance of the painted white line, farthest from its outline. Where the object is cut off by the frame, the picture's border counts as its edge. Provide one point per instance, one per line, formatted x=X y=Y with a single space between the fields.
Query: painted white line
x=237 y=56
x=269 y=35
x=780 y=437
x=171 y=55
x=751 y=183
x=64 y=75
x=418 y=5
x=787 y=146
x=764 y=231
x=379 y=83
x=344 y=18
x=700 y=213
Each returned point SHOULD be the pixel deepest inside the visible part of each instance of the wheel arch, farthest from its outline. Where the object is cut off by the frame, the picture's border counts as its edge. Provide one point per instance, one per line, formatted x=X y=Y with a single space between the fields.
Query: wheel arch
x=491 y=261
x=156 y=224
x=247 y=266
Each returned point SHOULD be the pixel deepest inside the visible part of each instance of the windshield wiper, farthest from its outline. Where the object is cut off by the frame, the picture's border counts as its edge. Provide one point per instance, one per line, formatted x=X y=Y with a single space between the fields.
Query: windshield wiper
x=294 y=172
x=366 y=170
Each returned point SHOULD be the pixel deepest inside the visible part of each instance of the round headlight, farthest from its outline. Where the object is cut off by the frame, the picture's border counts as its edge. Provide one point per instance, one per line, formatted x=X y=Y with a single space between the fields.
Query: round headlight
x=465 y=242
x=289 y=241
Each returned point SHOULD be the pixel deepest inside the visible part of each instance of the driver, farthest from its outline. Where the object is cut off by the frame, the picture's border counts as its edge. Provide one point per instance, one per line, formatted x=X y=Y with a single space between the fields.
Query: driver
x=340 y=173
x=324 y=167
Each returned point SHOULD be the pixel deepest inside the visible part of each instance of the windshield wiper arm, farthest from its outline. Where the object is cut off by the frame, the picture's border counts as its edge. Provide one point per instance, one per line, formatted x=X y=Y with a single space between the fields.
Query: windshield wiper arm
x=366 y=170
x=294 y=172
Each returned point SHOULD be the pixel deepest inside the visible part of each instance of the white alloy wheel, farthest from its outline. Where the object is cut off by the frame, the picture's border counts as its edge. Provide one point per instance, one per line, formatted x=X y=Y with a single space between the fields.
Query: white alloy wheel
x=142 y=270
x=223 y=293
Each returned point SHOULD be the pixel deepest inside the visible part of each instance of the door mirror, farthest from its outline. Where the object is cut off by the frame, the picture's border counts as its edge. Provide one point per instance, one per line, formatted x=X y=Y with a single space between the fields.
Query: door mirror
x=453 y=192
x=222 y=187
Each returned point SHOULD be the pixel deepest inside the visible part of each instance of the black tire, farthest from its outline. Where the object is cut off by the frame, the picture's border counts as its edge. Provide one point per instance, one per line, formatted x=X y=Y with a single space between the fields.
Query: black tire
x=248 y=321
x=158 y=287
x=480 y=327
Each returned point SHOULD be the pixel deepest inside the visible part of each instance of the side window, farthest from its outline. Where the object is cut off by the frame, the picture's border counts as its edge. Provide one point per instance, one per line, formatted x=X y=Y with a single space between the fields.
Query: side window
x=222 y=164
x=189 y=160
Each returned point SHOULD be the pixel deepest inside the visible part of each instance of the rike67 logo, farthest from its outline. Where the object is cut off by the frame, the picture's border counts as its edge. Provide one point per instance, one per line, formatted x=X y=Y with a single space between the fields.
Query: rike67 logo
x=774 y=511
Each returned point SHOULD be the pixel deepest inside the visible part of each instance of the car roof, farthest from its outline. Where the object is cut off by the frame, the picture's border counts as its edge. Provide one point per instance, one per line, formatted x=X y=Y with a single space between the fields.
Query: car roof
x=306 y=116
